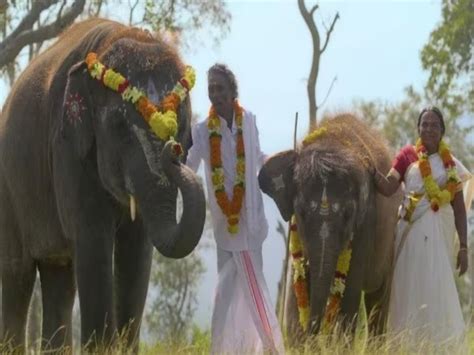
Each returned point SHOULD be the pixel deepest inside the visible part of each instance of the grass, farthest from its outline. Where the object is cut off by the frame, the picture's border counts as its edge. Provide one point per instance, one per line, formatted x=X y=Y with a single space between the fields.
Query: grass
x=333 y=344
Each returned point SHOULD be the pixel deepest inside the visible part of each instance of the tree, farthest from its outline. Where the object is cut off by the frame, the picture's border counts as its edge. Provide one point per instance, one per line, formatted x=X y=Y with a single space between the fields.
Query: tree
x=29 y=23
x=449 y=54
x=187 y=16
x=318 y=51
x=31 y=29
x=169 y=317
x=397 y=122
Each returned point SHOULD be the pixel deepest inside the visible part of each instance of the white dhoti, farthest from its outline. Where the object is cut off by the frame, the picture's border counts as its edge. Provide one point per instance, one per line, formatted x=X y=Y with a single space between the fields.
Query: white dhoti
x=243 y=320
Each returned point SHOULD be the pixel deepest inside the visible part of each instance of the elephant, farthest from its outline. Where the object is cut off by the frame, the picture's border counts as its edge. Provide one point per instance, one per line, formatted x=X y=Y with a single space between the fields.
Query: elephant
x=75 y=156
x=327 y=184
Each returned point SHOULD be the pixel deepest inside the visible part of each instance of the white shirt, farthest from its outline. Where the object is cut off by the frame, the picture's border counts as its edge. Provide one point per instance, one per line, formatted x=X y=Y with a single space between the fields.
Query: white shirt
x=253 y=226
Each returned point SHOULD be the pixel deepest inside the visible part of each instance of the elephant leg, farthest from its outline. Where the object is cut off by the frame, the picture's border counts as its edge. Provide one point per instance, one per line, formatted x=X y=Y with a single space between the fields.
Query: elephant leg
x=18 y=279
x=58 y=290
x=376 y=304
x=93 y=264
x=133 y=255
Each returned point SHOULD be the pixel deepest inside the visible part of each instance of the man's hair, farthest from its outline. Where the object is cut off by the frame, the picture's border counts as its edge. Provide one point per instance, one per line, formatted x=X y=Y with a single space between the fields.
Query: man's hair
x=224 y=70
x=437 y=112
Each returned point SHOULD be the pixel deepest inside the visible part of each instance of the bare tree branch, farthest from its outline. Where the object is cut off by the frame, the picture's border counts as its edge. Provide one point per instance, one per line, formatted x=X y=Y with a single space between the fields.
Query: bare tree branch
x=317 y=52
x=329 y=91
x=132 y=9
x=29 y=20
x=314 y=71
x=328 y=34
x=13 y=44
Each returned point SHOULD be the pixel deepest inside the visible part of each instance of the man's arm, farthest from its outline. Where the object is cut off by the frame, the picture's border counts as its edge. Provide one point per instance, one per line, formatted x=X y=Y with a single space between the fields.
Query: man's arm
x=261 y=156
x=195 y=152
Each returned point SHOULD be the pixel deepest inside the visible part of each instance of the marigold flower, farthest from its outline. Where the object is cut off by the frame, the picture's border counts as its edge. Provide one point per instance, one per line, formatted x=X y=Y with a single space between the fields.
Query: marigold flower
x=230 y=208
x=233 y=228
x=240 y=146
x=163 y=123
x=170 y=102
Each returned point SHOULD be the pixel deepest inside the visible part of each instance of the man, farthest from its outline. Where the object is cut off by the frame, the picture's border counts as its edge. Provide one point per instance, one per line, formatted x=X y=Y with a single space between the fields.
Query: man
x=243 y=319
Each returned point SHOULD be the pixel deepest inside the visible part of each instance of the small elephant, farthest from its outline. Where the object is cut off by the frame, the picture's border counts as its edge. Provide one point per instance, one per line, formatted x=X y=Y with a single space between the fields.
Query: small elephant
x=73 y=155
x=327 y=184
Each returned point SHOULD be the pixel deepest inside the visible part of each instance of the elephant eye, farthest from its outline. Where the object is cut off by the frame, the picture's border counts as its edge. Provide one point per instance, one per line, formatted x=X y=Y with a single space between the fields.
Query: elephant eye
x=121 y=127
x=302 y=213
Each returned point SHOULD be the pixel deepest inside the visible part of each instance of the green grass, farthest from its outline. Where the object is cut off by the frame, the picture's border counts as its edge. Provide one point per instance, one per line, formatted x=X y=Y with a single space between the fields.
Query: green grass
x=332 y=344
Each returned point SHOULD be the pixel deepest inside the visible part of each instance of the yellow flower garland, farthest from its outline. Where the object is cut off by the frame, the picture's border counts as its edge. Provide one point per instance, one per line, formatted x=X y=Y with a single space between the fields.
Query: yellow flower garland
x=436 y=196
x=300 y=282
x=163 y=124
x=230 y=208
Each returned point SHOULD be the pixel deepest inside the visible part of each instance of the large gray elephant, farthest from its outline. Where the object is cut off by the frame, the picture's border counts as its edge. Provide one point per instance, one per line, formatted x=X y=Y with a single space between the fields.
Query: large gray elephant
x=327 y=184
x=72 y=153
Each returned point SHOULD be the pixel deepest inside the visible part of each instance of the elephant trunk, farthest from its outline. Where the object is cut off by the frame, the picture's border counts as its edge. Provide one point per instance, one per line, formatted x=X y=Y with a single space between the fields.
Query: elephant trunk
x=322 y=269
x=158 y=209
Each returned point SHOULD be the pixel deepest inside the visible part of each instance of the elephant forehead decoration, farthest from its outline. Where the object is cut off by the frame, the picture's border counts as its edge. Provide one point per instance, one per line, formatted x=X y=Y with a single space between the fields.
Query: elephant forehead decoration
x=163 y=120
x=324 y=210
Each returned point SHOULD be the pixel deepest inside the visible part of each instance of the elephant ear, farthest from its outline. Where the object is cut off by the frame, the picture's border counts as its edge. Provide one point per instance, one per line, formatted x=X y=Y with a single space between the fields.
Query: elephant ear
x=77 y=110
x=276 y=180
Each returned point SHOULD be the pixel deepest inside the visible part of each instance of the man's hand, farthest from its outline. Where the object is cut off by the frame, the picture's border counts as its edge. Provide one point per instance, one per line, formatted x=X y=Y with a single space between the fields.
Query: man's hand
x=462 y=262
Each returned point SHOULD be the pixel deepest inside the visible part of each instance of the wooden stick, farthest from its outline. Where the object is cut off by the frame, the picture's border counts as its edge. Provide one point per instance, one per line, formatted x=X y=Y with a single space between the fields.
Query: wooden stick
x=287 y=254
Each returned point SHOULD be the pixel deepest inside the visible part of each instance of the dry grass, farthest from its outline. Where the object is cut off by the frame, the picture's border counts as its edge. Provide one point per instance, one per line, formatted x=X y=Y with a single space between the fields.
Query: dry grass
x=333 y=344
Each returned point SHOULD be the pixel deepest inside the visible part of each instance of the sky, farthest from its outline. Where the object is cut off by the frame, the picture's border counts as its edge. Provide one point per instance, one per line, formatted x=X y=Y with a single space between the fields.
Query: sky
x=373 y=51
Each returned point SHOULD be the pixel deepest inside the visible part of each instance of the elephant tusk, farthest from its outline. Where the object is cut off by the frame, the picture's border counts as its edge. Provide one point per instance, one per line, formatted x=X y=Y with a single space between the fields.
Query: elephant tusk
x=133 y=208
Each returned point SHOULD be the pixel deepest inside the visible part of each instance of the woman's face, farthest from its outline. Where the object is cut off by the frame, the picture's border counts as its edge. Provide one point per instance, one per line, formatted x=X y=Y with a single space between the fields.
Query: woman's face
x=430 y=129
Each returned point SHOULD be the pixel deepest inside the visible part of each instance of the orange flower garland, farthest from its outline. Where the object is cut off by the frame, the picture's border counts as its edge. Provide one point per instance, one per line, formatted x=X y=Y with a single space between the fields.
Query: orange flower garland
x=163 y=120
x=230 y=208
x=300 y=283
x=436 y=196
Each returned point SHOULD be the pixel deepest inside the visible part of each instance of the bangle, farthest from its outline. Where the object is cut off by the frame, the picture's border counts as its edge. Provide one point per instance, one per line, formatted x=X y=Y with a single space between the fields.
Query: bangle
x=463 y=249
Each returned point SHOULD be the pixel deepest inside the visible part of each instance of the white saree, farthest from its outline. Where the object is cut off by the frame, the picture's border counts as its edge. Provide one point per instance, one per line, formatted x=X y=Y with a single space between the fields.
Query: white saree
x=424 y=302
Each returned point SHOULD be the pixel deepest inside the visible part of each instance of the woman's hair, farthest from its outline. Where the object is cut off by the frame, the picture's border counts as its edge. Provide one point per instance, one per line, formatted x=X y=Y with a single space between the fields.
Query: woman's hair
x=437 y=112
x=224 y=70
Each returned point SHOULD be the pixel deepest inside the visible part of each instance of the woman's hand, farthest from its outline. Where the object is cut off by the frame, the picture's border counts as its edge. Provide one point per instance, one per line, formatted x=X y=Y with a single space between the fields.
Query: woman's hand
x=462 y=262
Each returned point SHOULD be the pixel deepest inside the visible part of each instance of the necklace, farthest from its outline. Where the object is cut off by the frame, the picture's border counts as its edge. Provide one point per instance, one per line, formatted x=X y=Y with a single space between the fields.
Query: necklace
x=436 y=196
x=230 y=208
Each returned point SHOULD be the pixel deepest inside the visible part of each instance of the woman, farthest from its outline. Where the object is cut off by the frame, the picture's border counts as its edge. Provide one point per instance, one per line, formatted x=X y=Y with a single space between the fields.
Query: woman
x=424 y=302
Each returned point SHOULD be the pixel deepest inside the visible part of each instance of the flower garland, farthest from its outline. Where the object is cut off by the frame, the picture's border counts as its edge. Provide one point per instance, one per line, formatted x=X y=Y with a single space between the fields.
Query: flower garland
x=339 y=285
x=231 y=209
x=300 y=283
x=437 y=197
x=163 y=120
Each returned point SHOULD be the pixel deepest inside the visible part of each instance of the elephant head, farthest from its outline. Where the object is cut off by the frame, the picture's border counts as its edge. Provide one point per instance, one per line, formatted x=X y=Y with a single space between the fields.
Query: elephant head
x=108 y=135
x=327 y=189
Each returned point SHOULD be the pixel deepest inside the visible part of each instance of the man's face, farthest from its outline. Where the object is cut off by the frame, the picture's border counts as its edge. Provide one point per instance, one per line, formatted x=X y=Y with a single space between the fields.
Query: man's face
x=430 y=129
x=220 y=93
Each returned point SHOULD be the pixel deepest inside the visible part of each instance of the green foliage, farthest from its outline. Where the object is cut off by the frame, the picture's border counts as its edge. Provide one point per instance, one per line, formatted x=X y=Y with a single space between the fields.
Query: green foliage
x=397 y=122
x=173 y=297
x=182 y=19
x=449 y=54
x=187 y=16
